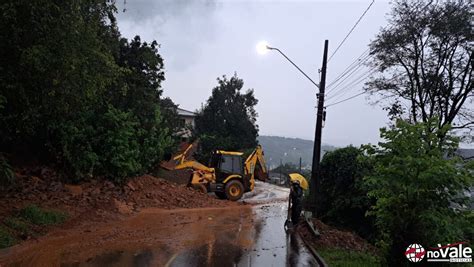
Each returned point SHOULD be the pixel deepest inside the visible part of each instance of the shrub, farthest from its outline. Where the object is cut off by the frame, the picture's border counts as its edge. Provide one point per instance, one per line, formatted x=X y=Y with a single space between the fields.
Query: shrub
x=418 y=185
x=114 y=144
x=6 y=174
x=6 y=238
x=342 y=197
x=39 y=216
x=17 y=224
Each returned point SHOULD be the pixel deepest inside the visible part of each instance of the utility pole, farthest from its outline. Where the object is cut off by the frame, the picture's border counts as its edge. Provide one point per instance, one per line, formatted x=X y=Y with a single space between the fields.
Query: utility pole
x=315 y=170
x=300 y=164
x=281 y=167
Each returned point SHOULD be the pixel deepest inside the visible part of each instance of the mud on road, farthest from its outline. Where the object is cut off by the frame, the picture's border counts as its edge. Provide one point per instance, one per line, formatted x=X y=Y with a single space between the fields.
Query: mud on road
x=242 y=235
x=150 y=238
x=235 y=236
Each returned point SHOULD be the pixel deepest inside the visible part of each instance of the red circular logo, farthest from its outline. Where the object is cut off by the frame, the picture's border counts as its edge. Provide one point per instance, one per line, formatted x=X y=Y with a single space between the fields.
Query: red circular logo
x=415 y=253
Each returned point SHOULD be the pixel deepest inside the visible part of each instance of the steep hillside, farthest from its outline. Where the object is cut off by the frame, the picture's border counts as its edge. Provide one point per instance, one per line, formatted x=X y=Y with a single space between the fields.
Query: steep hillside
x=289 y=150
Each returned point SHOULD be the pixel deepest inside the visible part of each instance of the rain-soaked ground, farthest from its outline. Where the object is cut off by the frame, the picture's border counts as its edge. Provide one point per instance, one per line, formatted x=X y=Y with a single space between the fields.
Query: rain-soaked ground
x=238 y=236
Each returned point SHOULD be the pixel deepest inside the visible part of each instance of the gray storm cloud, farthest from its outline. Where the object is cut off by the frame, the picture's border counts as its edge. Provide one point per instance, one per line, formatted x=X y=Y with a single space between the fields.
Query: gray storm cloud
x=183 y=25
x=143 y=10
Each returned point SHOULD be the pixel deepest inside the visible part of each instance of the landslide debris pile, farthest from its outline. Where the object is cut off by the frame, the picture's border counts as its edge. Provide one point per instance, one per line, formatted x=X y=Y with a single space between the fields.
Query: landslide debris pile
x=96 y=198
x=332 y=237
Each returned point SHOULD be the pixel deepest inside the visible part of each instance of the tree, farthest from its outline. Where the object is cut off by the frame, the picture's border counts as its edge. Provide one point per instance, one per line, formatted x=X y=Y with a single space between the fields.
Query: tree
x=425 y=61
x=419 y=186
x=53 y=66
x=139 y=92
x=228 y=120
x=289 y=167
x=73 y=93
x=172 y=120
x=343 y=199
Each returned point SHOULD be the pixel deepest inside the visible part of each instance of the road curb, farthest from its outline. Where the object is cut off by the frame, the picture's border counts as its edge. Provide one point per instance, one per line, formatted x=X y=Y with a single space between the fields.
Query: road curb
x=316 y=234
x=316 y=255
x=310 y=224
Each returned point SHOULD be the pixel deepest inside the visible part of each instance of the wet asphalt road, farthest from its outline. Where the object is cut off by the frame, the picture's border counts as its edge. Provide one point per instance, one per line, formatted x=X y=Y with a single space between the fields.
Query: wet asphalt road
x=272 y=246
x=239 y=236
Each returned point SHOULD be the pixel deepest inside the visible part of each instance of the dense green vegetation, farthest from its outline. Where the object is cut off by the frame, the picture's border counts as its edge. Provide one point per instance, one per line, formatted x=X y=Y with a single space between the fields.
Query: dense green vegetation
x=418 y=184
x=410 y=188
x=228 y=119
x=73 y=92
x=342 y=200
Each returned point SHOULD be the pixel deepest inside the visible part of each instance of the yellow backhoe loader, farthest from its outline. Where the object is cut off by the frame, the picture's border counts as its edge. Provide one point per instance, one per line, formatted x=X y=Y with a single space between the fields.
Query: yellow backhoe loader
x=227 y=175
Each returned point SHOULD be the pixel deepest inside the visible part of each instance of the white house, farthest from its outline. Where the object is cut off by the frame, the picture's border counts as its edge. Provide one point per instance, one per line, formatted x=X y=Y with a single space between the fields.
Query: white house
x=187 y=117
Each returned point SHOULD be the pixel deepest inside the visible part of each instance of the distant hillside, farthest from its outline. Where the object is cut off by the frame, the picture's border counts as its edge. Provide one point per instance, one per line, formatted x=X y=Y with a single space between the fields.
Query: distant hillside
x=289 y=150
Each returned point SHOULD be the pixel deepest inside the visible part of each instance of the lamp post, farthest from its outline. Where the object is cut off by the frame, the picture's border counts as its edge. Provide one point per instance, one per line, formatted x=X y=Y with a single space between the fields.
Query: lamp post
x=263 y=48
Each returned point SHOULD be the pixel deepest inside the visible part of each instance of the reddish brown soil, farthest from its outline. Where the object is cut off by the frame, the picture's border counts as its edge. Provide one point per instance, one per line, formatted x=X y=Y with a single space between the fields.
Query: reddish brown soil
x=161 y=234
x=98 y=200
x=334 y=238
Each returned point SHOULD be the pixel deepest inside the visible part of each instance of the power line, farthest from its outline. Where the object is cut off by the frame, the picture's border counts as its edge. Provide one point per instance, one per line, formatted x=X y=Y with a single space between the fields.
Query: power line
x=355 y=81
x=344 y=92
x=349 y=33
x=350 y=85
x=357 y=62
x=357 y=69
x=349 y=98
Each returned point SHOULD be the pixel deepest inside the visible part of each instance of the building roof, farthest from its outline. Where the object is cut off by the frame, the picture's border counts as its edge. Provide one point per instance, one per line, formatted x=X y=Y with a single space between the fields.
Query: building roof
x=183 y=112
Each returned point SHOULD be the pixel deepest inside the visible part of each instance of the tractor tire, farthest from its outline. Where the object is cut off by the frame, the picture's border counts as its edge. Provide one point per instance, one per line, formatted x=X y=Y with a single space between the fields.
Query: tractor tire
x=221 y=195
x=200 y=187
x=234 y=190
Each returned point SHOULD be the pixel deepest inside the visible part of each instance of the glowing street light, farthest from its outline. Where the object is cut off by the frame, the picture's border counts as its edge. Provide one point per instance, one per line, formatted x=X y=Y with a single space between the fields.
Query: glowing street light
x=262 y=47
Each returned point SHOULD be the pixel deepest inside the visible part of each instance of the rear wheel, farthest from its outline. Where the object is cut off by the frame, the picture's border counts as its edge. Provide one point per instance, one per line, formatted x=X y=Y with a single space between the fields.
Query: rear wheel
x=221 y=195
x=200 y=187
x=234 y=190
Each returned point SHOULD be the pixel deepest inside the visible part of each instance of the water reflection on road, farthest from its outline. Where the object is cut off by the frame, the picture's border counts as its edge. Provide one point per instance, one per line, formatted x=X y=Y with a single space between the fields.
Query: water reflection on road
x=238 y=236
x=271 y=246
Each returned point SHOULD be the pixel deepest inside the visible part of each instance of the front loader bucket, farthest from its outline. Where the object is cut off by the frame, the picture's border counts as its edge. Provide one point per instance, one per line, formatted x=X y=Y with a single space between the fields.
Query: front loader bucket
x=260 y=175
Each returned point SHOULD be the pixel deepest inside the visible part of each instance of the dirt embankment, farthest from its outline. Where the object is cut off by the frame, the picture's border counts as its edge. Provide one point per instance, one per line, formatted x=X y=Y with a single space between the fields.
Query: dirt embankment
x=332 y=237
x=98 y=200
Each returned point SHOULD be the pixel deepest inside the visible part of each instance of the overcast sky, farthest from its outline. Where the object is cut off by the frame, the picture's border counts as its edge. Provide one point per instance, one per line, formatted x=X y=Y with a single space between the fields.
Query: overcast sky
x=202 y=40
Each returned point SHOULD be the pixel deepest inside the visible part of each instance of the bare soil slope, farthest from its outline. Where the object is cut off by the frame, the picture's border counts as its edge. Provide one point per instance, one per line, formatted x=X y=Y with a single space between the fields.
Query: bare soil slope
x=332 y=237
x=97 y=200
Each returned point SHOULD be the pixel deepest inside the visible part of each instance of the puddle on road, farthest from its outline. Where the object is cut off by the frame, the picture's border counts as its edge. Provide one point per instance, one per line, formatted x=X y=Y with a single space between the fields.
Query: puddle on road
x=117 y=258
x=218 y=254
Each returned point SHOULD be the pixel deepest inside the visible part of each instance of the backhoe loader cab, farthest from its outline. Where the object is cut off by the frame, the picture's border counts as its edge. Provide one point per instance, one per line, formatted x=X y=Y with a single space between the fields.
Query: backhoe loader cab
x=231 y=180
x=227 y=164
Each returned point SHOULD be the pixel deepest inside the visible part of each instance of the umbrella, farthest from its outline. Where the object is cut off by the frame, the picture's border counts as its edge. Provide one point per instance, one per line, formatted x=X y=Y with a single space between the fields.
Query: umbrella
x=298 y=177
